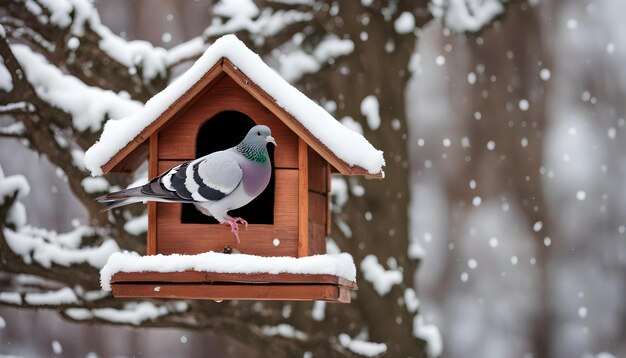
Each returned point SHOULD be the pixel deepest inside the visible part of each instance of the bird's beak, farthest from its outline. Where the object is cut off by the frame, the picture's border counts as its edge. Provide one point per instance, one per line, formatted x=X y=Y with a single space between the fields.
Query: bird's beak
x=271 y=139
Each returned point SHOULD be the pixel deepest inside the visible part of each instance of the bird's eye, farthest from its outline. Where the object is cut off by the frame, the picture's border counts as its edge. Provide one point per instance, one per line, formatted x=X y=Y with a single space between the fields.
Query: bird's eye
x=258 y=133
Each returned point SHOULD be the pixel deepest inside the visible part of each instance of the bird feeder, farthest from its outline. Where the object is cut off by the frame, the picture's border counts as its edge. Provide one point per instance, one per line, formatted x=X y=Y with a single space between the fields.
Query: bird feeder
x=211 y=107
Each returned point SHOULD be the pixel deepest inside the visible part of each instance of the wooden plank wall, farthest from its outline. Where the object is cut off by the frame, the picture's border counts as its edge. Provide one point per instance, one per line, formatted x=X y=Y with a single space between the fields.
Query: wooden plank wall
x=318 y=202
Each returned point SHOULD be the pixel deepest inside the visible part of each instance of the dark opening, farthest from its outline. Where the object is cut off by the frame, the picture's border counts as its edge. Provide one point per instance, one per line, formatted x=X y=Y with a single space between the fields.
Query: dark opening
x=223 y=131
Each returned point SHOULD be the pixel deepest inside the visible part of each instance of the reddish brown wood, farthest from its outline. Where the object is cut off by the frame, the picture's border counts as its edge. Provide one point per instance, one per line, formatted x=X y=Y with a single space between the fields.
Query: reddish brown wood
x=178 y=138
x=175 y=237
x=218 y=277
x=317 y=238
x=317 y=172
x=153 y=171
x=303 y=199
x=329 y=214
x=257 y=292
x=317 y=205
x=202 y=85
x=131 y=162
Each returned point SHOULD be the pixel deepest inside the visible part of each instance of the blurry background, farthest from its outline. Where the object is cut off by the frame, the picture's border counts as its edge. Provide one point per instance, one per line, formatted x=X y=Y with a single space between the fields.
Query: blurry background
x=516 y=142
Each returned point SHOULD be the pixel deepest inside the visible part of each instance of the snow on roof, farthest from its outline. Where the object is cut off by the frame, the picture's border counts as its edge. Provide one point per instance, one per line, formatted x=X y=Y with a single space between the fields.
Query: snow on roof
x=347 y=145
x=341 y=265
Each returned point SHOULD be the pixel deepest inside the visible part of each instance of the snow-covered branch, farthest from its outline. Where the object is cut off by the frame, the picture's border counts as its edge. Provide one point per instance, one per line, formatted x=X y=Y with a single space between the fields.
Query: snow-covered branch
x=466 y=15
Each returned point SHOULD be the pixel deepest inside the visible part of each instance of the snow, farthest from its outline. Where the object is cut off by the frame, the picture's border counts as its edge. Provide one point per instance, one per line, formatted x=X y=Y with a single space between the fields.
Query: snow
x=11 y=298
x=48 y=248
x=267 y=24
x=430 y=333
x=340 y=264
x=405 y=23
x=523 y=105
x=364 y=348
x=88 y=106
x=3 y=323
x=284 y=330
x=11 y=185
x=81 y=14
x=349 y=146
x=410 y=300
x=137 y=226
x=382 y=280
x=318 y=313
x=63 y=296
x=370 y=108
x=466 y=15
x=132 y=313
x=6 y=82
x=296 y=64
x=95 y=185
x=57 y=348
x=233 y=8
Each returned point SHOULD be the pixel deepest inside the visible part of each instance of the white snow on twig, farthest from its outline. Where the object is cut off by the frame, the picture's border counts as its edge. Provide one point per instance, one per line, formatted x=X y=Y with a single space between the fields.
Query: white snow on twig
x=17 y=106
x=284 y=330
x=268 y=23
x=132 y=313
x=364 y=348
x=430 y=334
x=47 y=249
x=137 y=55
x=88 y=106
x=341 y=265
x=466 y=15
x=137 y=226
x=63 y=296
x=382 y=280
x=298 y=63
x=349 y=146
x=11 y=185
x=11 y=298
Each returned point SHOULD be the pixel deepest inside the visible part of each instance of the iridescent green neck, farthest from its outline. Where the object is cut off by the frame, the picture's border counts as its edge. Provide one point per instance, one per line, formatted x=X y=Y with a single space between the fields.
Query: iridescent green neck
x=257 y=154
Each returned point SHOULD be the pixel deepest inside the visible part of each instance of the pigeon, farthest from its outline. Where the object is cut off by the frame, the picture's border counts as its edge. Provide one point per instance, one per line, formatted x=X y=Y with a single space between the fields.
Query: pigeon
x=215 y=183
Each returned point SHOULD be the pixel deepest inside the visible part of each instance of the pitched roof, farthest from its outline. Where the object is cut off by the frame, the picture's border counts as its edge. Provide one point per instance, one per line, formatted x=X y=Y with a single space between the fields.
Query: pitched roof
x=349 y=152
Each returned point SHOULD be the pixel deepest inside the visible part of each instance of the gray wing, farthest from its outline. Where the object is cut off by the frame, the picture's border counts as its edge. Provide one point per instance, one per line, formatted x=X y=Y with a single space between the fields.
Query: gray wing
x=209 y=178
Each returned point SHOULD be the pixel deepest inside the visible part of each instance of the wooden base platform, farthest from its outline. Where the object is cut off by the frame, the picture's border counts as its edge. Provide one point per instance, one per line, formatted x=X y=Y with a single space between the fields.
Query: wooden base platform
x=232 y=286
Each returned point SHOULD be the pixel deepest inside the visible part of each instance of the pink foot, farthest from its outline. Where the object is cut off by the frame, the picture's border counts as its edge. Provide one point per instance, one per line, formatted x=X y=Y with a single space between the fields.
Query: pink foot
x=238 y=220
x=233 y=228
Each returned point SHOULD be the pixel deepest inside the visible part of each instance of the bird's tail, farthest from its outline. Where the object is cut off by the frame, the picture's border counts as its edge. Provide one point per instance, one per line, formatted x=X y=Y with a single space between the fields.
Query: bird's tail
x=121 y=198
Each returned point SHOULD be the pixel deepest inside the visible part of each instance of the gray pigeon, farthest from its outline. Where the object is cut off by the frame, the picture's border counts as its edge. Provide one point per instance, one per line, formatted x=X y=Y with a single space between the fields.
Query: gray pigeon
x=215 y=183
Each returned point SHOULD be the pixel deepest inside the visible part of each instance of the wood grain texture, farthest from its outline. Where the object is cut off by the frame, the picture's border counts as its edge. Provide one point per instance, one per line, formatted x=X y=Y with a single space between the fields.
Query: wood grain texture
x=317 y=238
x=178 y=138
x=153 y=171
x=303 y=199
x=317 y=172
x=258 y=292
x=329 y=202
x=317 y=208
x=175 y=237
x=219 y=277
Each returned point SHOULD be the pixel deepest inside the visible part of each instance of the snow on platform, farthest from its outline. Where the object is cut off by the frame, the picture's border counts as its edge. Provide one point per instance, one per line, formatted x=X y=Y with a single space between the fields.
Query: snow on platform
x=341 y=265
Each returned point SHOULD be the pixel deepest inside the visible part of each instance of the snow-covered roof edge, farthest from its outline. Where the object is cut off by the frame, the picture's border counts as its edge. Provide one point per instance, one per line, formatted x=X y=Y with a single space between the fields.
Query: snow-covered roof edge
x=341 y=265
x=347 y=145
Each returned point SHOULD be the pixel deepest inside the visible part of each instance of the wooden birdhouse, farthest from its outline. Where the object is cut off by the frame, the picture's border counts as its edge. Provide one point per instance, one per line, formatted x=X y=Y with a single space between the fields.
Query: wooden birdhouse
x=282 y=254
